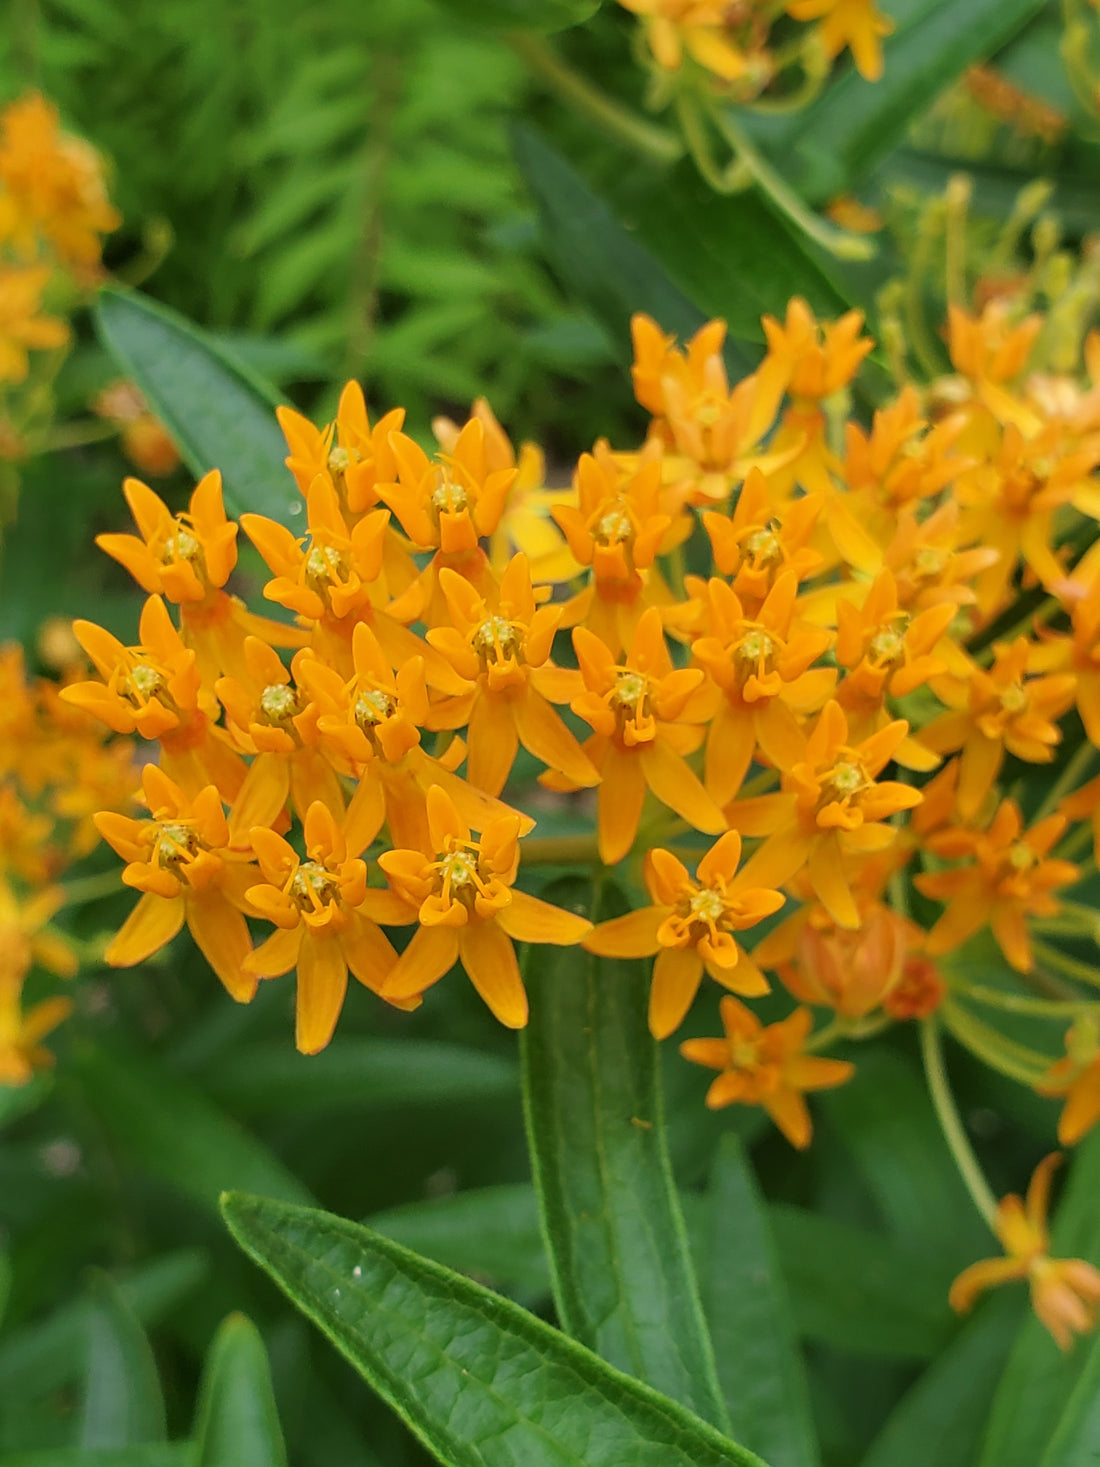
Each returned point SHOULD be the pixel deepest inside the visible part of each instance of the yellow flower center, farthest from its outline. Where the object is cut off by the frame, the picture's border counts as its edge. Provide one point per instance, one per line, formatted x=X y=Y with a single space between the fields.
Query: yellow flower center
x=278 y=702
x=1021 y=857
x=928 y=563
x=742 y=1054
x=324 y=564
x=373 y=706
x=182 y=545
x=496 y=635
x=613 y=525
x=176 y=844
x=339 y=461
x=312 y=886
x=763 y=546
x=449 y=497
x=888 y=643
x=145 y=681
x=756 y=651
x=630 y=690
x=1014 y=699
x=707 y=905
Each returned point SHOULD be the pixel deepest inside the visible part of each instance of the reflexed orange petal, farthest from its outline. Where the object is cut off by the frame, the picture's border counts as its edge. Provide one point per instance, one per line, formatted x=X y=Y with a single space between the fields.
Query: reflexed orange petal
x=432 y=952
x=322 y=984
x=826 y=872
x=543 y=733
x=671 y=780
x=153 y=922
x=278 y=954
x=531 y=920
x=493 y=743
x=620 y=797
x=631 y=936
x=487 y=954
x=981 y=1276
x=788 y=1110
x=676 y=975
x=714 y=1053
x=1082 y=1108
x=368 y=951
x=221 y=934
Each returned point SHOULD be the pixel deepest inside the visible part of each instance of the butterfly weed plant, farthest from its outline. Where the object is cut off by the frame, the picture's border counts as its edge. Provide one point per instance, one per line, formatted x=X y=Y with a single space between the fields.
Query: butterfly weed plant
x=651 y=881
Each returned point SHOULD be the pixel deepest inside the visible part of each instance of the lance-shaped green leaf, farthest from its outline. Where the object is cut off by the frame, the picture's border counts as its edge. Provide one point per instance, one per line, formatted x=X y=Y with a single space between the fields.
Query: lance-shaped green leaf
x=237 y=1423
x=759 y=1365
x=220 y=414
x=832 y=145
x=173 y=1132
x=940 y=1418
x=123 y=1405
x=698 y=254
x=1039 y=1379
x=1076 y=1439
x=479 y=1380
x=620 y=1265
x=40 y=1357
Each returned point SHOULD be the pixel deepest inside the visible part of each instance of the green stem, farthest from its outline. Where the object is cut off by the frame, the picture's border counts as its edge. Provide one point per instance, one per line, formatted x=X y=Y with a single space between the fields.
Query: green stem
x=1054 y=957
x=75 y=435
x=728 y=179
x=1071 y=776
x=1021 y=1003
x=643 y=137
x=91 y=888
x=951 y=1123
x=838 y=242
x=1012 y=1060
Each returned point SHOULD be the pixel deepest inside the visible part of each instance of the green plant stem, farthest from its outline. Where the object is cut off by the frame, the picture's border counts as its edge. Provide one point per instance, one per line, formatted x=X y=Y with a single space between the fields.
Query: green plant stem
x=994 y=1049
x=1062 y=963
x=1022 y=1003
x=728 y=179
x=91 y=888
x=643 y=137
x=1071 y=776
x=75 y=435
x=951 y=1123
x=838 y=242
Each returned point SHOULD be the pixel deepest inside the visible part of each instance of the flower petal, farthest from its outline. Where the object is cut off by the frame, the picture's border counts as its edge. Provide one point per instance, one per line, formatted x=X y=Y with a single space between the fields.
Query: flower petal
x=153 y=922
x=221 y=935
x=531 y=920
x=489 y=958
x=676 y=975
x=432 y=952
x=322 y=984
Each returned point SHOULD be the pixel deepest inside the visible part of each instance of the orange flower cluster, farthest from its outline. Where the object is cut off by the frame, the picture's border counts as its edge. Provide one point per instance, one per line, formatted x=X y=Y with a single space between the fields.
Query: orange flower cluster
x=731 y=44
x=57 y=769
x=53 y=210
x=798 y=636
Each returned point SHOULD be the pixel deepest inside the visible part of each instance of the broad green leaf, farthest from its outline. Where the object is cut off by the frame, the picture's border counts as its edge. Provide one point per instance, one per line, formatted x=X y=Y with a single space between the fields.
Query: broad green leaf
x=238 y=1422
x=41 y=1357
x=831 y=146
x=612 y=272
x=1039 y=1379
x=695 y=255
x=515 y=15
x=123 y=1405
x=1076 y=1440
x=996 y=188
x=219 y=413
x=5 y=1283
x=620 y=1266
x=940 y=1418
x=174 y=1133
x=760 y=1369
x=858 y=1290
x=492 y=1233
x=159 y=1454
x=888 y=1124
x=268 y=1078
x=479 y=1380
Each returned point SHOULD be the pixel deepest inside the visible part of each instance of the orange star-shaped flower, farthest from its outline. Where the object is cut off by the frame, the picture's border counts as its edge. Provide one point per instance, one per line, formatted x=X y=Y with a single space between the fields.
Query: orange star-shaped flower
x=766 y=1066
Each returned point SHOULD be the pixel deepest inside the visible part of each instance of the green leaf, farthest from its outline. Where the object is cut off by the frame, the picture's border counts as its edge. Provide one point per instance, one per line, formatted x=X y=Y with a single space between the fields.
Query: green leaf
x=619 y=1260
x=174 y=1133
x=5 y=1283
x=831 y=146
x=492 y=1233
x=888 y=1124
x=759 y=1366
x=528 y=15
x=269 y=1078
x=123 y=1405
x=1039 y=1379
x=41 y=1357
x=857 y=1290
x=1076 y=1440
x=160 y=1454
x=695 y=255
x=480 y=1381
x=19 y=1100
x=220 y=414
x=238 y=1422
x=940 y=1418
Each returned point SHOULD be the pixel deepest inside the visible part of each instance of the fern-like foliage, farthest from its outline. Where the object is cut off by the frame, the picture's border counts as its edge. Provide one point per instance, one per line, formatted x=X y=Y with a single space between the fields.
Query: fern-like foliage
x=338 y=176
